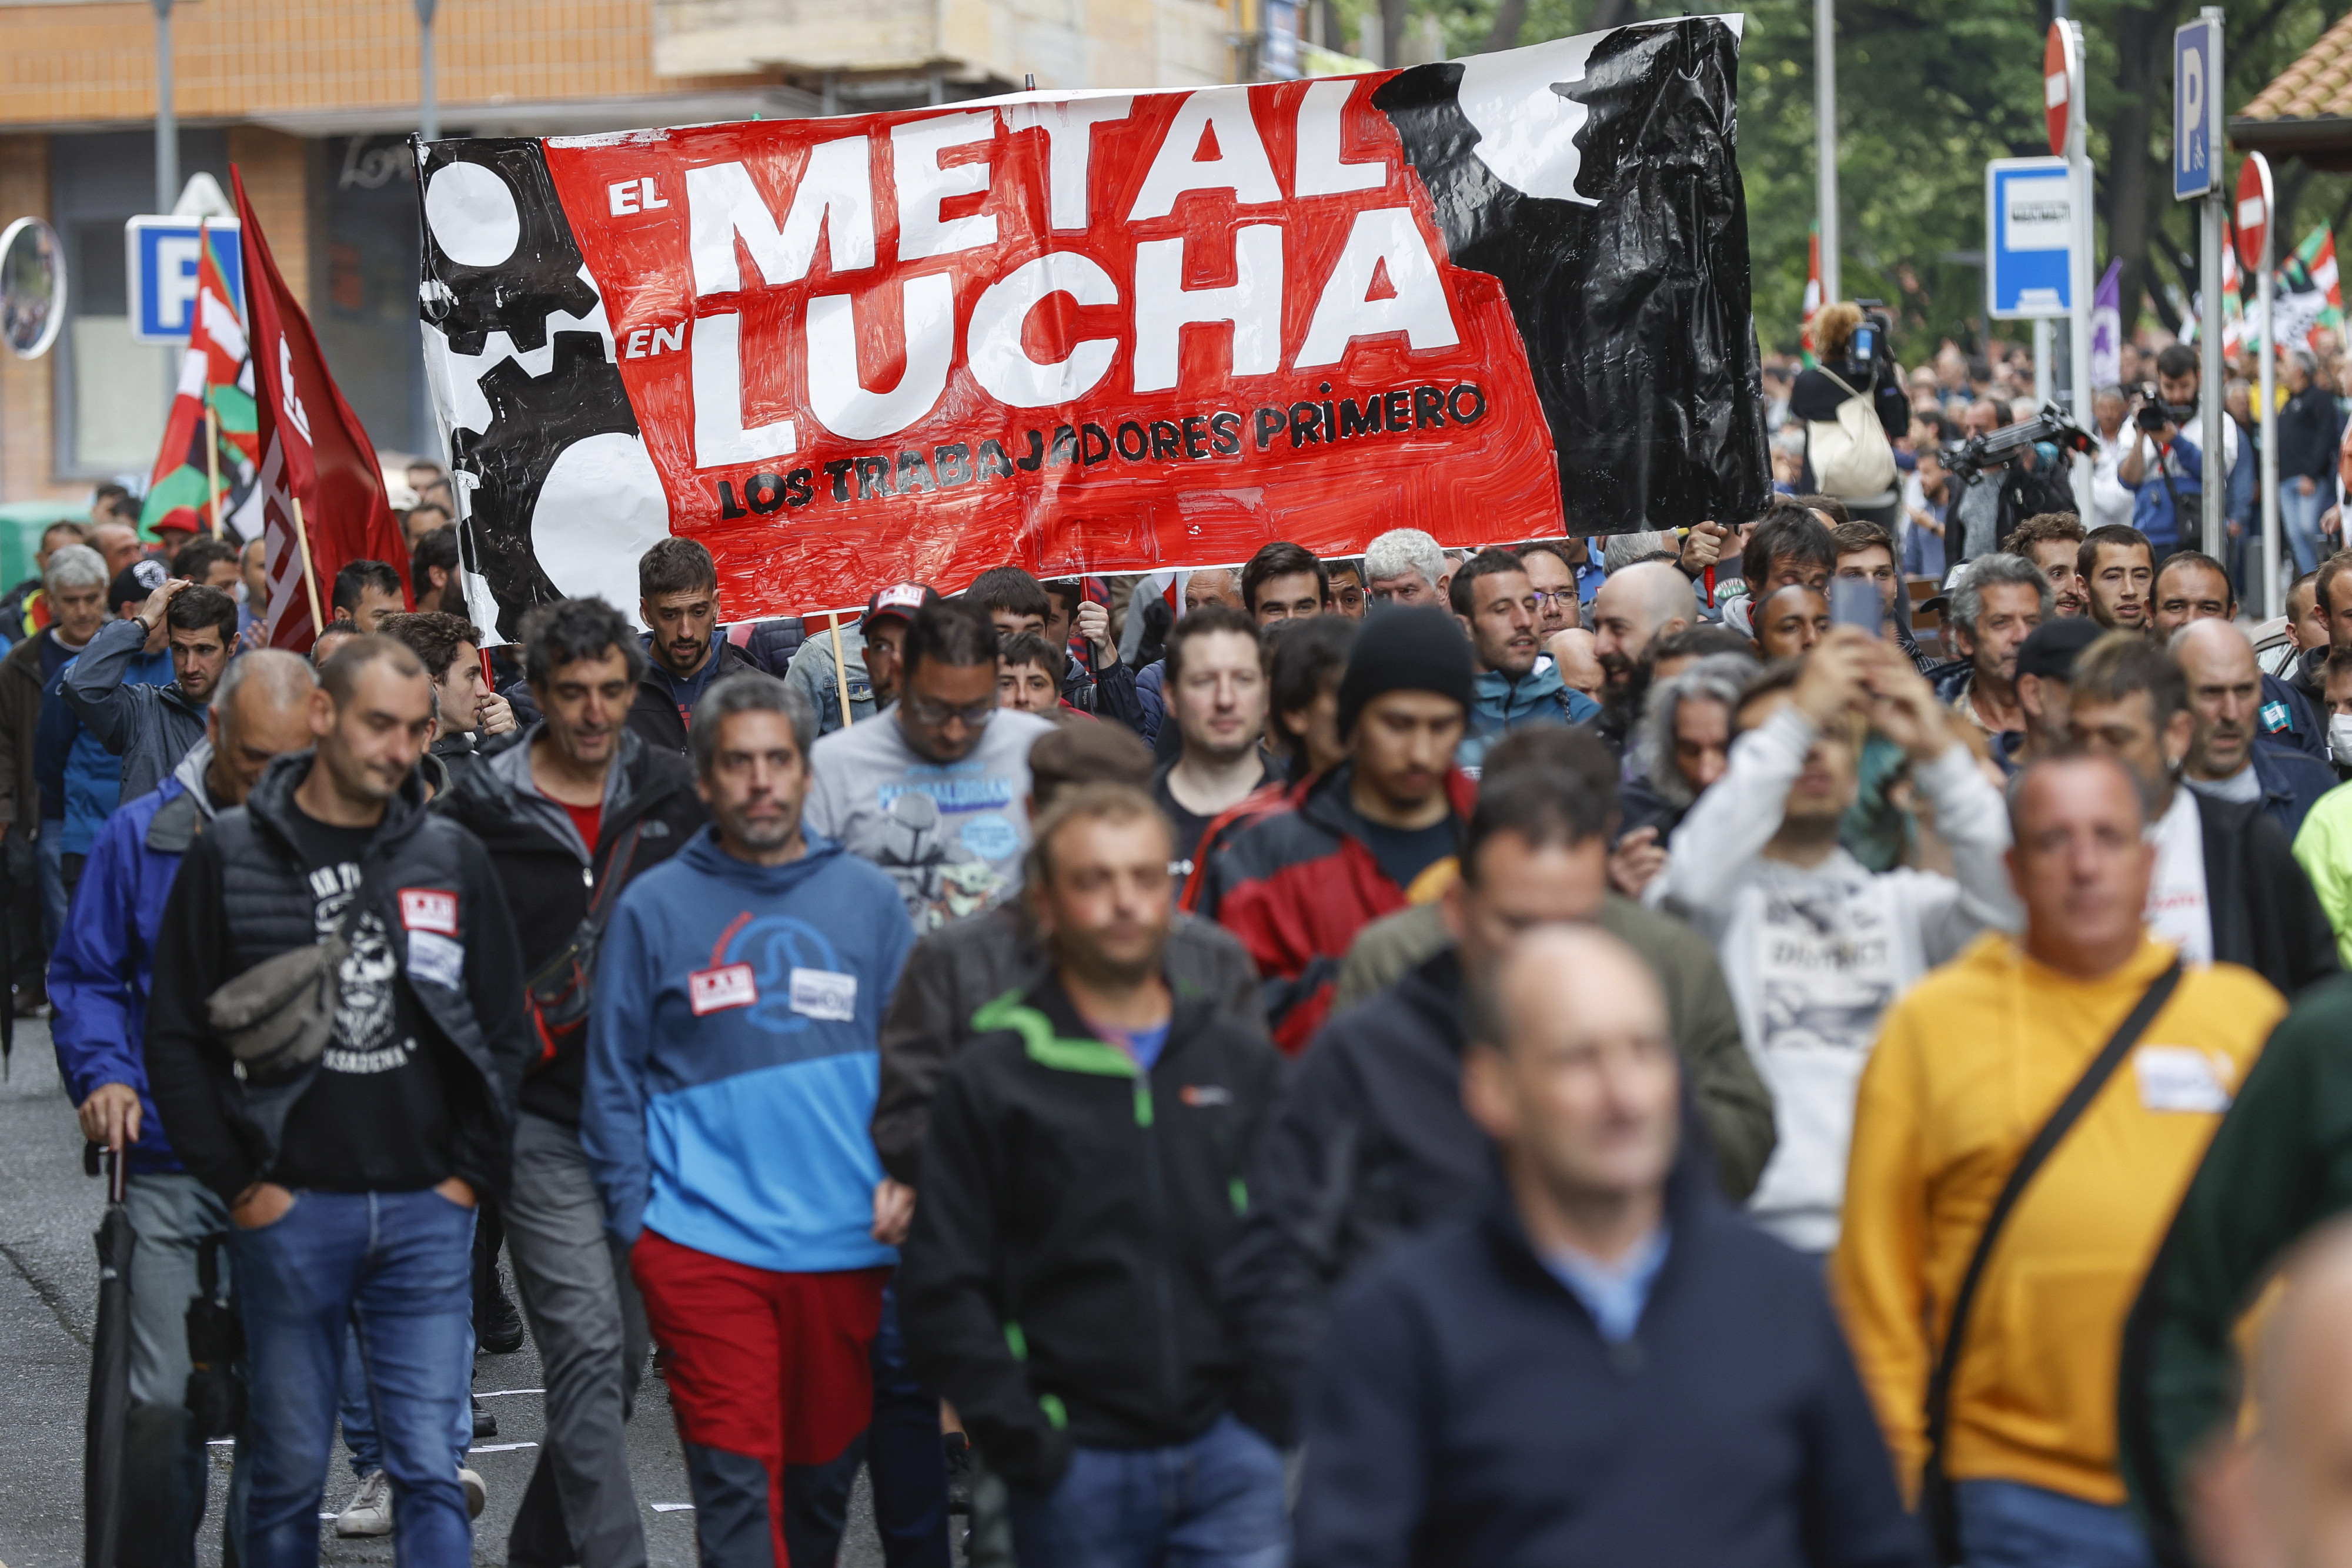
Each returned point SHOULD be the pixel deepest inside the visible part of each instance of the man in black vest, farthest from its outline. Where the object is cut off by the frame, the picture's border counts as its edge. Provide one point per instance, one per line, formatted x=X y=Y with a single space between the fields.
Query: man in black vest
x=569 y=815
x=350 y=1178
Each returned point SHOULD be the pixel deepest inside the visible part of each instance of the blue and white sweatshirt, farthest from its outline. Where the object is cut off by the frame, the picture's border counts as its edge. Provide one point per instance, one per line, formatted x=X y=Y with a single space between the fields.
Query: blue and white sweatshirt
x=731 y=1055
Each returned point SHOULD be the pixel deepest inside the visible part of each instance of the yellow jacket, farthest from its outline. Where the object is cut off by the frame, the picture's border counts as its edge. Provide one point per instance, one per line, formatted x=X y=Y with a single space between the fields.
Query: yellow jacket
x=1968 y=1065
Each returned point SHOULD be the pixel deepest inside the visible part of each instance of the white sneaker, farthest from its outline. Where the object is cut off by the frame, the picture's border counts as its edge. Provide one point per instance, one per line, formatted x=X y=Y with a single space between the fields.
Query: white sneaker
x=370 y=1511
x=476 y=1494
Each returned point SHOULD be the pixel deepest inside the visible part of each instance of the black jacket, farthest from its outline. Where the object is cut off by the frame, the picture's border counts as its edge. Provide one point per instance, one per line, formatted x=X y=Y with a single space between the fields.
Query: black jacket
x=957 y=969
x=2307 y=435
x=654 y=714
x=243 y=895
x=1059 y=1284
x=650 y=811
x=2264 y=913
x=1467 y=1411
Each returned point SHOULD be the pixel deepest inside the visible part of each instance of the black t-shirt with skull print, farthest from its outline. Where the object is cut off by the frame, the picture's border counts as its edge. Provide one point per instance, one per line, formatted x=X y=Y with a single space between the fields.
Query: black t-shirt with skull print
x=376 y=1117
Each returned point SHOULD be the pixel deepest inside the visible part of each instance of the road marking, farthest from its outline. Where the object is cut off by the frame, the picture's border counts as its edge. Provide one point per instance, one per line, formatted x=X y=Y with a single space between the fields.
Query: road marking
x=498 y=1448
x=671 y=1507
x=503 y=1392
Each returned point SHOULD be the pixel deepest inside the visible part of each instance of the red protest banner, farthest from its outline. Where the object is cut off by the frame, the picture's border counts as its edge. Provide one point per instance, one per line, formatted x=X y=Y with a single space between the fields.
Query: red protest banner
x=1498 y=298
x=322 y=496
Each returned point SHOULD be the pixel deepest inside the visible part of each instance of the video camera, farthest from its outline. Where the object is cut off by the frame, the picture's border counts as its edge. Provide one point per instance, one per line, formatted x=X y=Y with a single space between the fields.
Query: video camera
x=2152 y=413
x=1966 y=458
x=1877 y=330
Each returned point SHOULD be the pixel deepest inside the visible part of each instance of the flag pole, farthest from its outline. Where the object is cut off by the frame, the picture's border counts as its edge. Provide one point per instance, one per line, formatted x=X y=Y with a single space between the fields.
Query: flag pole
x=309 y=578
x=841 y=672
x=212 y=459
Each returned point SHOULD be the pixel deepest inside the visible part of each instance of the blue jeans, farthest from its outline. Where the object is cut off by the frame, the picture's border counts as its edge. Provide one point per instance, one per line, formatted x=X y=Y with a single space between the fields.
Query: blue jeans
x=1213 y=1502
x=2008 y=1524
x=358 y=1415
x=49 y=855
x=2299 y=520
x=400 y=1265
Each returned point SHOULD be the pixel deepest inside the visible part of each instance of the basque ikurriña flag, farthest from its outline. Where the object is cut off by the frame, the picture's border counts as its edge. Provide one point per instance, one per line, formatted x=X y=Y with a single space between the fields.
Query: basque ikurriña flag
x=211 y=492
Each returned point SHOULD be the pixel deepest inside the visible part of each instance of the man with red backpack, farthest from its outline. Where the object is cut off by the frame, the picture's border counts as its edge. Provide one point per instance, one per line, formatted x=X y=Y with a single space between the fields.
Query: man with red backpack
x=570 y=811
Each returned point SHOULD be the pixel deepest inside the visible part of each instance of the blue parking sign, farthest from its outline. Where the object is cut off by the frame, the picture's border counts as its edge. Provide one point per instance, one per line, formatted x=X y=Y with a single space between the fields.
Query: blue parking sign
x=2029 y=239
x=2196 y=108
x=161 y=254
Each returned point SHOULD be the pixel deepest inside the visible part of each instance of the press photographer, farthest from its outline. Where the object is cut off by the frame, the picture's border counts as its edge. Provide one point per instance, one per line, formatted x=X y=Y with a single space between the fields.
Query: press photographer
x=1854 y=410
x=2165 y=462
x=2003 y=474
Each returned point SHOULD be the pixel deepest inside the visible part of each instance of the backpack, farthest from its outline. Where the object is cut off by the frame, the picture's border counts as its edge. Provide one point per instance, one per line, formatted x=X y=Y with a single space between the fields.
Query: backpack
x=1852 y=457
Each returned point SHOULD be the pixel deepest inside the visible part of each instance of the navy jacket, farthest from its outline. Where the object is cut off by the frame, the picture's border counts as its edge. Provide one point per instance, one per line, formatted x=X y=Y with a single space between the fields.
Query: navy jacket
x=2293 y=781
x=1467 y=1411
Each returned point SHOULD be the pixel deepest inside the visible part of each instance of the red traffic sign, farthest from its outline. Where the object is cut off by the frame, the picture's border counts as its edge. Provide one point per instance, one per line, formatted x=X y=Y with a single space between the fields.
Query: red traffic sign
x=2254 y=212
x=2061 y=78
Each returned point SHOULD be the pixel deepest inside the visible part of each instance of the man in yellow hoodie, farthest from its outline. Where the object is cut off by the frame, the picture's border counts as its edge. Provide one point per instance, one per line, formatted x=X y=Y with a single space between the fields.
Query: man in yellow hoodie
x=1969 y=1068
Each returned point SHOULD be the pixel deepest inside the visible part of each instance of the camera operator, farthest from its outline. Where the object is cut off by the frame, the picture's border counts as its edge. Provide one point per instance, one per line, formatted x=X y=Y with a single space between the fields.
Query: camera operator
x=1856 y=362
x=2164 y=463
x=1989 y=502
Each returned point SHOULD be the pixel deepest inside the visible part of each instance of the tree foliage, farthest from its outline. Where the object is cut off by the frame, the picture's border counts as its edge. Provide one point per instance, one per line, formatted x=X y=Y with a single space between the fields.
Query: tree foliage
x=1928 y=91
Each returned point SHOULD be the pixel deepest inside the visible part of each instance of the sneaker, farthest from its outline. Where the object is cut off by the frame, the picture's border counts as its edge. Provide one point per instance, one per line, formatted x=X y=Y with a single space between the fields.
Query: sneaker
x=485 y=1424
x=476 y=1495
x=370 y=1511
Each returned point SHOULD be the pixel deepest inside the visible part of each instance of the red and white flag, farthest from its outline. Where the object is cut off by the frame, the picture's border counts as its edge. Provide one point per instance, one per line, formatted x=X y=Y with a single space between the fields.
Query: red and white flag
x=319 y=480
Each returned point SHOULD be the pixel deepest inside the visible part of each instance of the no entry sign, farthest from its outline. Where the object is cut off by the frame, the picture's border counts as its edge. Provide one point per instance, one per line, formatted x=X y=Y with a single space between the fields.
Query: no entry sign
x=2061 y=83
x=2254 y=209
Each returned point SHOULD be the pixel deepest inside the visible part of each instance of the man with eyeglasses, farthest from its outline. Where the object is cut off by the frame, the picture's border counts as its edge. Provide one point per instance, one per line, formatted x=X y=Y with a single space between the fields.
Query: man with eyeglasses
x=931 y=790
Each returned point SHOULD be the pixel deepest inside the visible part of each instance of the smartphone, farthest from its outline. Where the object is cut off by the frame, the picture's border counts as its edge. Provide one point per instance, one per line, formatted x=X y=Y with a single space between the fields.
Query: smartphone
x=1854 y=602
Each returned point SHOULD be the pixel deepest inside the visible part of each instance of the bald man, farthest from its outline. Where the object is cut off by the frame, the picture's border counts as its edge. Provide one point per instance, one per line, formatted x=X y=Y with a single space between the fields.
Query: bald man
x=1579 y=665
x=98 y=981
x=2229 y=756
x=1636 y=606
x=1606 y=1309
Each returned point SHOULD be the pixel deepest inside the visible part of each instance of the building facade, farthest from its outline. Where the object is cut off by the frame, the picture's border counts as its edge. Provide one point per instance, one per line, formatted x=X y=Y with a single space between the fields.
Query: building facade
x=312 y=101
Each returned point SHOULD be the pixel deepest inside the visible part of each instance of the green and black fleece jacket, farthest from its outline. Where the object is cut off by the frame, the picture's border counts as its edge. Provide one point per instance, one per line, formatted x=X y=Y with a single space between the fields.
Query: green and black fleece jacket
x=1059 y=1284
x=2280 y=1166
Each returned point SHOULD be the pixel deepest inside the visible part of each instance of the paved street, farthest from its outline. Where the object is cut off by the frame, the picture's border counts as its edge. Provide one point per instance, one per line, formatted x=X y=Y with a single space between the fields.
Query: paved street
x=48 y=1292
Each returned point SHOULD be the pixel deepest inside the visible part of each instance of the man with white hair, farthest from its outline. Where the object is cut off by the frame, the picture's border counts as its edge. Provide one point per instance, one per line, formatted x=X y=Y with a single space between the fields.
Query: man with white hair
x=73 y=585
x=1636 y=606
x=2229 y=758
x=1405 y=566
x=1996 y=602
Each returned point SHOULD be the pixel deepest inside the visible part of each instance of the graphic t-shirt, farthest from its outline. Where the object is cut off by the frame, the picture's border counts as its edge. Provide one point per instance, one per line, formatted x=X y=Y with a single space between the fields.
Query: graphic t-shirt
x=950 y=834
x=1189 y=824
x=376 y=1117
x=1404 y=853
x=686 y=690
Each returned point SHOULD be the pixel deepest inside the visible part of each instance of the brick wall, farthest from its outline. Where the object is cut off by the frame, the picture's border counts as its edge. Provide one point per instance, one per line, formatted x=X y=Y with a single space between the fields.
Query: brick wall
x=248 y=58
x=272 y=164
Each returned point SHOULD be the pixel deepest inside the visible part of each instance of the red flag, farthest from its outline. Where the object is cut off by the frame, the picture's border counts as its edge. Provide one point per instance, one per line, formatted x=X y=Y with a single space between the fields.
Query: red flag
x=319 y=474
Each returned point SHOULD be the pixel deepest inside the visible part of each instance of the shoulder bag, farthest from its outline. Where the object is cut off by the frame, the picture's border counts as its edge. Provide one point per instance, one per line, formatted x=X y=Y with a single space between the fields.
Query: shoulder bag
x=1935 y=1500
x=1851 y=454
x=276 y=1017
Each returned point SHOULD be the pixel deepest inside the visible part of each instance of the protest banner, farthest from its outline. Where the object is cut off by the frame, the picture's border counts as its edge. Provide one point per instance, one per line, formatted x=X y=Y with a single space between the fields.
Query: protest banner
x=1500 y=297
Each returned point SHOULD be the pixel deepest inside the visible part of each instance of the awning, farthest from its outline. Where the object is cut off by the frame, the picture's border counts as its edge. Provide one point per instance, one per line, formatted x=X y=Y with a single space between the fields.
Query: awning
x=2307 y=113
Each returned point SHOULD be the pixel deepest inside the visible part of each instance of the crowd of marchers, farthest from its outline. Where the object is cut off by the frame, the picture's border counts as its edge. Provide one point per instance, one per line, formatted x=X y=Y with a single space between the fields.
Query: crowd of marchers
x=1534 y=1054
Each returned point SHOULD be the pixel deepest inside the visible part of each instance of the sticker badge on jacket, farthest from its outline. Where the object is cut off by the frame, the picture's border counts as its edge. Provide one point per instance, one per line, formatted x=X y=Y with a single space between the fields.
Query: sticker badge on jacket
x=823 y=994
x=429 y=909
x=2178 y=1077
x=716 y=990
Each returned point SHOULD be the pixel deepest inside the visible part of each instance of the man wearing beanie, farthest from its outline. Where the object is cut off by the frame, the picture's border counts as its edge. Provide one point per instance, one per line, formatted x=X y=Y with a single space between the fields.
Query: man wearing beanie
x=1372 y=835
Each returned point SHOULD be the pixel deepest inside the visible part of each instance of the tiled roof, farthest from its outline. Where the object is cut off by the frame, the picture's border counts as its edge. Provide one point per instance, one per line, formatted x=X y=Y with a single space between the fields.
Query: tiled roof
x=2316 y=87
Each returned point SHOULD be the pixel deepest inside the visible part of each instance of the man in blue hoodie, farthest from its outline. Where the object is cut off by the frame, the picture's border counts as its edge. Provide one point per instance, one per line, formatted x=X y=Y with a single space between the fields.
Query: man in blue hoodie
x=731 y=1072
x=1517 y=684
x=99 y=979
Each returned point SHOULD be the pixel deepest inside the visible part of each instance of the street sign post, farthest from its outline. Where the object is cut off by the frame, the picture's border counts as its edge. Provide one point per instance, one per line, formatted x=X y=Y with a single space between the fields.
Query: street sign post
x=2067 y=112
x=2254 y=204
x=2029 y=239
x=2196 y=86
x=160 y=253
